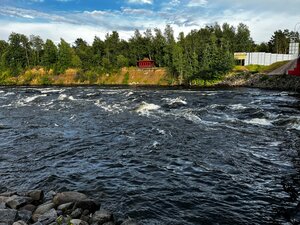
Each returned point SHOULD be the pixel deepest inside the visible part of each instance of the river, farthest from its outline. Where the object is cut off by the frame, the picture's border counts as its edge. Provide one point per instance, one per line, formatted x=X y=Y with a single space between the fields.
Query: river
x=162 y=156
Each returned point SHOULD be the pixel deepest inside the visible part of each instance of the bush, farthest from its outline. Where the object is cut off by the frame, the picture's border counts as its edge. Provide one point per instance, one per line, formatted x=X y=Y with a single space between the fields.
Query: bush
x=264 y=77
x=126 y=78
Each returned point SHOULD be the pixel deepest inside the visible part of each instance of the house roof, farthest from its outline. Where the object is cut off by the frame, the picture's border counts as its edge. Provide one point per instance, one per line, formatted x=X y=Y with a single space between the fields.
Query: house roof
x=146 y=60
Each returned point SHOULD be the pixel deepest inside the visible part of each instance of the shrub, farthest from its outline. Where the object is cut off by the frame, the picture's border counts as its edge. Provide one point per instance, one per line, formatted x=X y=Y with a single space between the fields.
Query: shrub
x=126 y=78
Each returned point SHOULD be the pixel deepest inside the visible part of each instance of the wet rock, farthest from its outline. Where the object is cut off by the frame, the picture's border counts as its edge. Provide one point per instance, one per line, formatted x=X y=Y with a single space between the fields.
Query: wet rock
x=130 y=222
x=85 y=218
x=41 y=210
x=85 y=212
x=76 y=213
x=88 y=204
x=29 y=207
x=20 y=222
x=102 y=216
x=15 y=201
x=36 y=195
x=3 y=199
x=48 y=217
x=2 y=206
x=49 y=195
x=109 y=223
x=65 y=206
x=24 y=215
x=37 y=223
x=8 y=194
x=66 y=197
x=78 y=222
x=8 y=216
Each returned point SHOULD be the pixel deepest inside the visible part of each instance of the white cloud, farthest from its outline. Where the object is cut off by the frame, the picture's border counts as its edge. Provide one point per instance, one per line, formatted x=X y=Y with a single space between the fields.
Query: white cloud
x=197 y=3
x=175 y=12
x=140 y=2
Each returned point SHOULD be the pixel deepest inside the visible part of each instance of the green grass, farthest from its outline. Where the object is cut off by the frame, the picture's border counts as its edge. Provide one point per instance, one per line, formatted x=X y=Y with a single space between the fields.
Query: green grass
x=259 y=68
x=274 y=66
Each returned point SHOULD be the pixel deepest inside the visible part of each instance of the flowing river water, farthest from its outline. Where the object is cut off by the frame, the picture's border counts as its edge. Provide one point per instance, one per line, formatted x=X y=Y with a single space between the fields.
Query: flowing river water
x=162 y=156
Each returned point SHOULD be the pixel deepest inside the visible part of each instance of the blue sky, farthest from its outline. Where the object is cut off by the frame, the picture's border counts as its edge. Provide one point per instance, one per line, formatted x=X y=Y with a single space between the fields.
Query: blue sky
x=70 y=19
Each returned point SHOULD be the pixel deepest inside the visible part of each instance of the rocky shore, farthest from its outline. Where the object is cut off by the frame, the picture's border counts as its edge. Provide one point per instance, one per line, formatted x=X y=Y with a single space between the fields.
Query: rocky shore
x=65 y=208
x=274 y=82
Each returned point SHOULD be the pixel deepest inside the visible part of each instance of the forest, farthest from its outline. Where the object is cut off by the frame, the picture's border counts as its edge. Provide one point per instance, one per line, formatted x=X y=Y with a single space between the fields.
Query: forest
x=204 y=54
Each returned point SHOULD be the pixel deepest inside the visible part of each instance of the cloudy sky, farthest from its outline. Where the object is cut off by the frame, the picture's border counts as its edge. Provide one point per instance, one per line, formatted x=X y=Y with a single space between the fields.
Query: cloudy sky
x=70 y=19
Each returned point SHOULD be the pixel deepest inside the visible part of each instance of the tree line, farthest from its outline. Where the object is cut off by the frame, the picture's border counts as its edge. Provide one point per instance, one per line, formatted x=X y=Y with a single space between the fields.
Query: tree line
x=203 y=54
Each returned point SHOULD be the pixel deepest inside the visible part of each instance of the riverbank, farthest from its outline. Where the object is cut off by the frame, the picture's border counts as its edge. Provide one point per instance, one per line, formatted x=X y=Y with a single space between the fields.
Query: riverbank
x=65 y=208
x=250 y=76
x=258 y=80
x=74 y=77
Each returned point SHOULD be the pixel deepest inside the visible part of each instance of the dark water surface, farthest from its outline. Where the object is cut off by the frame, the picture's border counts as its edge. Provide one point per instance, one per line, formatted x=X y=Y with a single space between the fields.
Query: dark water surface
x=161 y=156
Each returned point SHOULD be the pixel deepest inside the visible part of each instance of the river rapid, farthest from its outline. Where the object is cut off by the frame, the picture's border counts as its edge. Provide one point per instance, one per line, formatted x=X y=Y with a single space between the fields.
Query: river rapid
x=162 y=156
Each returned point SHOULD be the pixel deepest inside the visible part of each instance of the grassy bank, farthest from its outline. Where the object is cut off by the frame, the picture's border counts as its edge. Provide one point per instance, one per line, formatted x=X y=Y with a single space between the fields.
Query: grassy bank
x=125 y=76
x=240 y=76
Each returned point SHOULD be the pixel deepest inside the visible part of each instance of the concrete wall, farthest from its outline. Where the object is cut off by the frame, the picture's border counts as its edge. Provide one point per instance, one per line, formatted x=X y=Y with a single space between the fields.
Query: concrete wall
x=262 y=58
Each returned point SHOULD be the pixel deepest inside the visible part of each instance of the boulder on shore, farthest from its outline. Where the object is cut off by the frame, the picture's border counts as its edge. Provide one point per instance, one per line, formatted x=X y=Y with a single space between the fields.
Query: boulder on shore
x=66 y=197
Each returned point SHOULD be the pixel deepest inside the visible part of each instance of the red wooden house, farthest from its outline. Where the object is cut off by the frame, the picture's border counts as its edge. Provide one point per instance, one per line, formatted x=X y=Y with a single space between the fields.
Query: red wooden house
x=145 y=63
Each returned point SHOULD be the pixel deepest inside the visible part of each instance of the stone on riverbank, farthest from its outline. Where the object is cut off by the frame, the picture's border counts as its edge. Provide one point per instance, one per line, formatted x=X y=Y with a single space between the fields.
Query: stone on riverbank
x=15 y=201
x=33 y=208
x=36 y=195
x=130 y=222
x=102 y=216
x=78 y=222
x=42 y=209
x=20 y=222
x=8 y=216
x=66 y=197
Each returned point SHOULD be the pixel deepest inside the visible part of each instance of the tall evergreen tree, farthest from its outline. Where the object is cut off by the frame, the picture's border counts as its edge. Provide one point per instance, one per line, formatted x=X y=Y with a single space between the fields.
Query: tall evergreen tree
x=50 y=54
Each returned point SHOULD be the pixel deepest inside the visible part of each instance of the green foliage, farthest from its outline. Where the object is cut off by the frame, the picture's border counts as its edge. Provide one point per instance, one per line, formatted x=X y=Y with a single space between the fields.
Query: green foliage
x=45 y=80
x=264 y=77
x=201 y=56
x=50 y=56
x=122 y=61
x=4 y=77
x=255 y=68
x=67 y=57
x=126 y=78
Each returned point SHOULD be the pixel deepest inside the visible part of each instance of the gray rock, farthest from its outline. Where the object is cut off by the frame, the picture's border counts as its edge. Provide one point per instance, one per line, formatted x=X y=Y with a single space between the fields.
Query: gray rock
x=29 y=207
x=36 y=195
x=48 y=217
x=42 y=209
x=130 y=222
x=86 y=212
x=88 y=204
x=66 y=197
x=24 y=215
x=109 y=223
x=37 y=223
x=78 y=222
x=85 y=218
x=65 y=206
x=20 y=222
x=2 y=206
x=49 y=195
x=8 y=194
x=15 y=201
x=3 y=199
x=76 y=213
x=102 y=216
x=8 y=216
